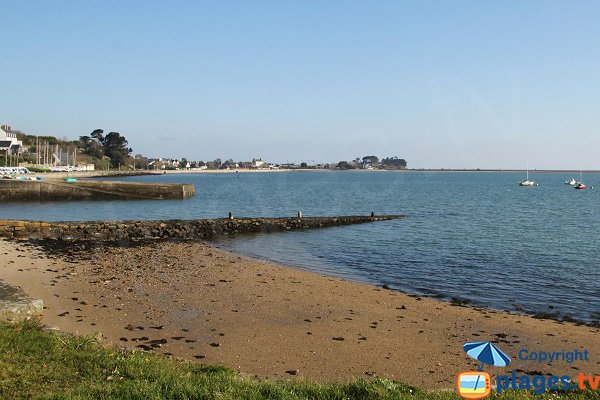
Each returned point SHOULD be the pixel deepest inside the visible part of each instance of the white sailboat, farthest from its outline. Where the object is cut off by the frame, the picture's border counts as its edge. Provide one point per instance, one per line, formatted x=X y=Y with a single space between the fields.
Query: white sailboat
x=527 y=182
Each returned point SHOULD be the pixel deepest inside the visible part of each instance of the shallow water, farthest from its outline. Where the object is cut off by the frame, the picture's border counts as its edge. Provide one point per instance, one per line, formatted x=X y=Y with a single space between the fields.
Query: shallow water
x=474 y=236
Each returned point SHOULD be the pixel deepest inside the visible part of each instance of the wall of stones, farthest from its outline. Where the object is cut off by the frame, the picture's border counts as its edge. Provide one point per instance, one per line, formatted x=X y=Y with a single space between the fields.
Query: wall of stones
x=171 y=229
x=54 y=189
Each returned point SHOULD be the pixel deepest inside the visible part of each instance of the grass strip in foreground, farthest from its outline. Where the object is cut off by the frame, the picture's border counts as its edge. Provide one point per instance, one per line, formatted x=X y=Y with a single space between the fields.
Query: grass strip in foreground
x=39 y=364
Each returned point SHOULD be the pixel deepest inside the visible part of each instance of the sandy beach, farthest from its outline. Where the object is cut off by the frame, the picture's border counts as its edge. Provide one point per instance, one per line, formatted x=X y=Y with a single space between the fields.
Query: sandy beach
x=195 y=301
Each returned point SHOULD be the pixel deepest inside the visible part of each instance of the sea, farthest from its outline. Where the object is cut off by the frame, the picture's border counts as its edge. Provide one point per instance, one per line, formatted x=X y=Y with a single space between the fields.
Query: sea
x=469 y=237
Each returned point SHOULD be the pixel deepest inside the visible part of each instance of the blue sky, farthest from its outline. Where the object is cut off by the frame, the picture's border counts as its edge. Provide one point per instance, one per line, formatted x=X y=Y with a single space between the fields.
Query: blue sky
x=453 y=84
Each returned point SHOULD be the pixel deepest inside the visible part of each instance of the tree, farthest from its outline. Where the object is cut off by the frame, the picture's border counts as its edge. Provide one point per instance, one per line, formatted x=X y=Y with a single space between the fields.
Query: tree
x=372 y=160
x=394 y=162
x=214 y=164
x=140 y=162
x=91 y=147
x=115 y=147
x=183 y=163
x=98 y=134
x=344 y=165
x=228 y=164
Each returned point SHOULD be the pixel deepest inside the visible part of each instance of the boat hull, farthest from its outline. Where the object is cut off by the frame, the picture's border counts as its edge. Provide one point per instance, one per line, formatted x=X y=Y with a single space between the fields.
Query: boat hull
x=527 y=183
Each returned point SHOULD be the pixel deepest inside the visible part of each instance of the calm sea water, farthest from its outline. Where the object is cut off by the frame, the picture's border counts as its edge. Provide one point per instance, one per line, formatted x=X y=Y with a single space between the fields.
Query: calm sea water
x=472 y=236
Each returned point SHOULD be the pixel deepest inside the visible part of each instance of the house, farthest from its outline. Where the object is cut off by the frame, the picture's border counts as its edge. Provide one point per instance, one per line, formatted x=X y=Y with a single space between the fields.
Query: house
x=9 y=144
x=258 y=163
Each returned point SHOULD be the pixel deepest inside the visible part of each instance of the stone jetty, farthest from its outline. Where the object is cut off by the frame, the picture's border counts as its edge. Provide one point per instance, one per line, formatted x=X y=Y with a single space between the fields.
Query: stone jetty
x=55 y=189
x=203 y=229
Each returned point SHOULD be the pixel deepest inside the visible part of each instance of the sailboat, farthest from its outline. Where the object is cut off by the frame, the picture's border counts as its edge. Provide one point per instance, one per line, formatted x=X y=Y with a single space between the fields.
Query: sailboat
x=527 y=182
x=580 y=184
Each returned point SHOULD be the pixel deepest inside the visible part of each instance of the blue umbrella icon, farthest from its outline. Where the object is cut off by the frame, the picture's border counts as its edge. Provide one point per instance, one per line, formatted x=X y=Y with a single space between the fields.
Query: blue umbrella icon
x=486 y=353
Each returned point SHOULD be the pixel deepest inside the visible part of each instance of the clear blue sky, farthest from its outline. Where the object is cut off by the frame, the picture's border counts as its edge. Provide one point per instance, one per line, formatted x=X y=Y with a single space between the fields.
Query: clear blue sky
x=441 y=83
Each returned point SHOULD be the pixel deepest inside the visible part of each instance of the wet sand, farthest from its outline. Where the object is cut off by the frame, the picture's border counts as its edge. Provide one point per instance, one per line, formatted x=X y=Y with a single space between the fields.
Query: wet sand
x=194 y=301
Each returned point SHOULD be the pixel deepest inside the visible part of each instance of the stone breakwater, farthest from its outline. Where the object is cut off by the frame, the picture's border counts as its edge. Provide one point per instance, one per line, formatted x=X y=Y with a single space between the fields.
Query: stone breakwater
x=171 y=229
x=56 y=190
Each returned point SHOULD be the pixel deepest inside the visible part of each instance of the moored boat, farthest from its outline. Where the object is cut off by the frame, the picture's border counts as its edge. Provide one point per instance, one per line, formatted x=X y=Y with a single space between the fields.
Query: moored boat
x=527 y=182
x=580 y=184
x=571 y=182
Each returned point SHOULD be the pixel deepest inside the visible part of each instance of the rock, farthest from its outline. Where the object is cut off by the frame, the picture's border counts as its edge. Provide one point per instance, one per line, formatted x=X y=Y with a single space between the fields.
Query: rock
x=157 y=341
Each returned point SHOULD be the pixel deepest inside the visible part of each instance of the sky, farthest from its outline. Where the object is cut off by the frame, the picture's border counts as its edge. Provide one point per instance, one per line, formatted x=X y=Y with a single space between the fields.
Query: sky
x=443 y=84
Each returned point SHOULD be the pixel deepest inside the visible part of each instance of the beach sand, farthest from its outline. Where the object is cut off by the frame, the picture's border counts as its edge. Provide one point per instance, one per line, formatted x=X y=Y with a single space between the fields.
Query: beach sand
x=194 y=301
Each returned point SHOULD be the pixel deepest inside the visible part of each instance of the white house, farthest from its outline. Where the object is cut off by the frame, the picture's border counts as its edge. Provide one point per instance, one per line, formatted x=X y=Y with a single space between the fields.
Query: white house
x=258 y=163
x=9 y=142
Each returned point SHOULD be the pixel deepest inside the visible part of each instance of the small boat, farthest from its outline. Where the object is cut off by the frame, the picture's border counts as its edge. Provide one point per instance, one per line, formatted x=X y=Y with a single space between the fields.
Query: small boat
x=571 y=182
x=580 y=184
x=527 y=182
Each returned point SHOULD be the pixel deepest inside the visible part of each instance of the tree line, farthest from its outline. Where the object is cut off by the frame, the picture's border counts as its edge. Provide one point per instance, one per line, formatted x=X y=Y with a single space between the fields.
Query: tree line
x=373 y=162
x=113 y=145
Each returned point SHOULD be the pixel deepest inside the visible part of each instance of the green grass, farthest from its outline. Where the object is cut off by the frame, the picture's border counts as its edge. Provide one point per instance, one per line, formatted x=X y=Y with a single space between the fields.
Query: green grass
x=38 y=364
x=36 y=169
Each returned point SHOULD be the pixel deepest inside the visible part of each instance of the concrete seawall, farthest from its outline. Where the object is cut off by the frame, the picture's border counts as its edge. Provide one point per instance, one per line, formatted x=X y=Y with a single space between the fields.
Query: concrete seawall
x=93 y=174
x=26 y=190
x=172 y=229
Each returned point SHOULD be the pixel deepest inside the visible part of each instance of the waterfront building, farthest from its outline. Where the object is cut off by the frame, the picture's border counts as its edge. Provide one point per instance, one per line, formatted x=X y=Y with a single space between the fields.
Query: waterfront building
x=9 y=144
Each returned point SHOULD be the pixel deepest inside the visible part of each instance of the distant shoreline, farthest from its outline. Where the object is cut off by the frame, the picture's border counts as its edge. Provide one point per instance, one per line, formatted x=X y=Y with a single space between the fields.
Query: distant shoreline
x=505 y=170
x=116 y=174
x=219 y=171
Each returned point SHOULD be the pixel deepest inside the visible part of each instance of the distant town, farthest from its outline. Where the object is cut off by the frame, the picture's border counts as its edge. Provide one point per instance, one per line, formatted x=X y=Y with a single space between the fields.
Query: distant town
x=100 y=151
